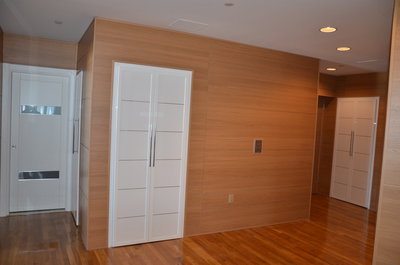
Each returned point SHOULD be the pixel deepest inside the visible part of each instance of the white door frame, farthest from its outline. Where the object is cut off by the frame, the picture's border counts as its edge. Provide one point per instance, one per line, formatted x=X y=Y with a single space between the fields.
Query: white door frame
x=8 y=69
x=372 y=158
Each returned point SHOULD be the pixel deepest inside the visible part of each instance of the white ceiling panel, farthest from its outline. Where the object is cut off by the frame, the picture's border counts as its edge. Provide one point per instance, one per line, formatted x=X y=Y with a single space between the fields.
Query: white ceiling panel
x=286 y=25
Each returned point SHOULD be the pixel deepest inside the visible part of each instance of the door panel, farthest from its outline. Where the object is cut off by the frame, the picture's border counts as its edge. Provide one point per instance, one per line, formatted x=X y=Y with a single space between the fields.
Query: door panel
x=130 y=230
x=132 y=83
x=169 y=145
x=362 y=145
x=167 y=173
x=364 y=127
x=135 y=115
x=354 y=150
x=131 y=203
x=342 y=175
x=165 y=226
x=360 y=179
x=170 y=117
x=133 y=145
x=171 y=88
x=132 y=174
x=166 y=200
x=147 y=155
x=39 y=123
x=343 y=142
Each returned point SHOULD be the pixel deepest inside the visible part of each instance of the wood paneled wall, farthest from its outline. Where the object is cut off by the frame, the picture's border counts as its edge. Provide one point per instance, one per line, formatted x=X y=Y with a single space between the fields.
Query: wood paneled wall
x=85 y=64
x=39 y=52
x=325 y=138
x=387 y=239
x=327 y=85
x=1 y=44
x=239 y=93
x=360 y=85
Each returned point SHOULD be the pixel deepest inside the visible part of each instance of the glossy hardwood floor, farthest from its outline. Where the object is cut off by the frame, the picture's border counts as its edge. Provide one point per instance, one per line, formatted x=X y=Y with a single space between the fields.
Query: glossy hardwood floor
x=338 y=233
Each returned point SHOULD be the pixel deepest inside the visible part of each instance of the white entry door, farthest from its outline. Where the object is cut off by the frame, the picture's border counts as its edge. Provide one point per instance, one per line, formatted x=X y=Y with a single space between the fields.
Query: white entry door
x=354 y=150
x=39 y=133
x=148 y=155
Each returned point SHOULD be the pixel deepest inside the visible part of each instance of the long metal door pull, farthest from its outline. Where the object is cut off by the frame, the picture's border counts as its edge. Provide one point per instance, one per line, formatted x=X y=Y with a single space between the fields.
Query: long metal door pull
x=151 y=145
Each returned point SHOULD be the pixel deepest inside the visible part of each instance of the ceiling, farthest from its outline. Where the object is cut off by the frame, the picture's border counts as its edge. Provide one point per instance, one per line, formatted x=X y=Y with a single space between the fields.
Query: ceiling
x=285 y=25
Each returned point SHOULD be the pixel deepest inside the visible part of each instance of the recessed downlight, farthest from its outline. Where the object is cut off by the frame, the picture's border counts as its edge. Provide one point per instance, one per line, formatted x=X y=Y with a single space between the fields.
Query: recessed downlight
x=332 y=69
x=343 y=49
x=328 y=29
x=229 y=4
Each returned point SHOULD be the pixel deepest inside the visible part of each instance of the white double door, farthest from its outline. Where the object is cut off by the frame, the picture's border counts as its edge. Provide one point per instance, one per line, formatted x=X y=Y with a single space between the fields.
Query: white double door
x=354 y=150
x=148 y=156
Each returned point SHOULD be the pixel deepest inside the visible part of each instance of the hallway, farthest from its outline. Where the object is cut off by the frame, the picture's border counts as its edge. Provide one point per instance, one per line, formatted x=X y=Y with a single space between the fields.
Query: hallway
x=338 y=233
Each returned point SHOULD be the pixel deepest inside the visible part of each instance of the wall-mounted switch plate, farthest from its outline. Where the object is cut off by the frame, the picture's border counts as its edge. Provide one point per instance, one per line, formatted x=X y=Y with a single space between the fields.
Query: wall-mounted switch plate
x=231 y=198
x=258 y=143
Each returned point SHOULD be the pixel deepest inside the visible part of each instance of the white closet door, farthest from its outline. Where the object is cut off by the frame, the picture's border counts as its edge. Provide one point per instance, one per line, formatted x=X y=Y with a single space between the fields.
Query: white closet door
x=167 y=169
x=149 y=150
x=132 y=155
x=354 y=150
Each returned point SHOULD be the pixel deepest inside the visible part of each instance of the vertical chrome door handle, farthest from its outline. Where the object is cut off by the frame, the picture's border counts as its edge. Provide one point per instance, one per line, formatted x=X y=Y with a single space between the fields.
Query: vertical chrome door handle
x=154 y=151
x=151 y=144
x=351 y=143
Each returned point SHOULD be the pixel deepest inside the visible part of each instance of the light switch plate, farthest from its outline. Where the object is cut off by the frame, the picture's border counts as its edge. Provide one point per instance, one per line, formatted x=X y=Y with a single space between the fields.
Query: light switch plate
x=258 y=143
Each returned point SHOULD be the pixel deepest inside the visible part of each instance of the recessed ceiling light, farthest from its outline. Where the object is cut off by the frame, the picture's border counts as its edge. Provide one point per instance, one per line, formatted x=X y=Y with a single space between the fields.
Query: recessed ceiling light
x=328 y=29
x=331 y=69
x=343 y=49
x=229 y=4
x=58 y=22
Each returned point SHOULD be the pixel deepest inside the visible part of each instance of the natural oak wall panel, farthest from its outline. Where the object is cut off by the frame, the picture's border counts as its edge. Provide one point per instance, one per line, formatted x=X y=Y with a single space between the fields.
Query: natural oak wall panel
x=387 y=240
x=327 y=85
x=1 y=44
x=239 y=93
x=85 y=64
x=26 y=50
x=325 y=137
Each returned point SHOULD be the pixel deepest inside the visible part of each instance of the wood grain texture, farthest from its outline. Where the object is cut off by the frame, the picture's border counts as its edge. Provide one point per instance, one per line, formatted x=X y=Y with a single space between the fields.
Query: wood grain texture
x=1 y=44
x=388 y=226
x=85 y=64
x=239 y=93
x=325 y=139
x=327 y=85
x=337 y=233
x=26 y=50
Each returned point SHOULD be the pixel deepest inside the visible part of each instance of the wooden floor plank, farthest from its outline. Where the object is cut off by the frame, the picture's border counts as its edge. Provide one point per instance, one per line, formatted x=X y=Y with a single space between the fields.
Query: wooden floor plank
x=337 y=233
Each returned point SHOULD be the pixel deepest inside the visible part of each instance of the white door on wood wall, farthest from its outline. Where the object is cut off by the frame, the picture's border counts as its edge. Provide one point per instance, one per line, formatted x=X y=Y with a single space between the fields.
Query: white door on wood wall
x=354 y=150
x=148 y=153
x=39 y=138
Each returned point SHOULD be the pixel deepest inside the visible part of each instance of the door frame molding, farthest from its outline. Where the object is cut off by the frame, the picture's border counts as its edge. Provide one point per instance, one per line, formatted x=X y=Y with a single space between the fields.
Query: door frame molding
x=372 y=158
x=8 y=69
